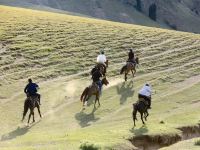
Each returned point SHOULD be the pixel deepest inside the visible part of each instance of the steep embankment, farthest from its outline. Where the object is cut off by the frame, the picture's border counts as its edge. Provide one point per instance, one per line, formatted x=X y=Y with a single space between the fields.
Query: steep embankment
x=59 y=50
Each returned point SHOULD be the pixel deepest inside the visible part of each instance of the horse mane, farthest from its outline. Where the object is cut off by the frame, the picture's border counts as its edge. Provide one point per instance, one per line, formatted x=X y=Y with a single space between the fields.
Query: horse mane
x=105 y=81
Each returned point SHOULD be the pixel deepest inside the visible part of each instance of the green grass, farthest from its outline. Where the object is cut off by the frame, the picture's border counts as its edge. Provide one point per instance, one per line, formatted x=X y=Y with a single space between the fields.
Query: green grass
x=58 y=51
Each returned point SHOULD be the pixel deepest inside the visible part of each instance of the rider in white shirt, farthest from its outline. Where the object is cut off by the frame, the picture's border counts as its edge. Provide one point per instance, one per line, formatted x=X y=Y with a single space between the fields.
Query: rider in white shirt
x=101 y=58
x=146 y=93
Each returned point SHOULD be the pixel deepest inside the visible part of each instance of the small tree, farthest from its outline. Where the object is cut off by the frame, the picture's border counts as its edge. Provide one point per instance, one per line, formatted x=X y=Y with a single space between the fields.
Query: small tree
x=152 y=12
x=139 y=5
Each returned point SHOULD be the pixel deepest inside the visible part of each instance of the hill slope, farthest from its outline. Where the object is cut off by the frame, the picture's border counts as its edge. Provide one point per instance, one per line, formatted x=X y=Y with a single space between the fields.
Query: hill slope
x=181 y=15
x=108 y=10
x=59 y=50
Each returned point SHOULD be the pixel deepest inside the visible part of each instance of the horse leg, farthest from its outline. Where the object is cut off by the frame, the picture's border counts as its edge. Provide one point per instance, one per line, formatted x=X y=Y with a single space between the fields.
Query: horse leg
x=98 y=99
x=125 y=76
x=141 y=113
x=29 y=116
x=38 y=107
x=133 y=73
x=134 y=115
x=146 y=115
x=33 y=116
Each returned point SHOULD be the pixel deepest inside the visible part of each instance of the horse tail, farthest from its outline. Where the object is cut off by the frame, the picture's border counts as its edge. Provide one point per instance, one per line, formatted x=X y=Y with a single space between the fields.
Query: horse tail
x=26 y=103
x=84 y=93
x=123 y=69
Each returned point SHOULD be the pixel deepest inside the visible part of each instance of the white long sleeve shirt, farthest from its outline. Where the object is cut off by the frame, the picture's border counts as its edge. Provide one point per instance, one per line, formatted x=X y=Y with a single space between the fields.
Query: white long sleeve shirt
x=146 y=91
x=101 y=59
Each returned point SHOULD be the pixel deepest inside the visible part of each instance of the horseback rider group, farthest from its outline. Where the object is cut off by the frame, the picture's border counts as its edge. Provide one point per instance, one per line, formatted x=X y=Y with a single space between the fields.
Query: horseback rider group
x=97 y=73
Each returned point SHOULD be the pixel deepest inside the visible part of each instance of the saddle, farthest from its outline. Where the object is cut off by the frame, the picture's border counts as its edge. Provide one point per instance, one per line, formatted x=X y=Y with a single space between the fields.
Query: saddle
x=94 y=84
x=143 y=100
x=33 y=98
x=131 y=63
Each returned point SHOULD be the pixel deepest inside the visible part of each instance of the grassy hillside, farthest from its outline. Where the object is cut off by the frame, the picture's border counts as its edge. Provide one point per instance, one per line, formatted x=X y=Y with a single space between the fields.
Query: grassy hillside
x=179 y=15
x=58 y=51
x=104 y=9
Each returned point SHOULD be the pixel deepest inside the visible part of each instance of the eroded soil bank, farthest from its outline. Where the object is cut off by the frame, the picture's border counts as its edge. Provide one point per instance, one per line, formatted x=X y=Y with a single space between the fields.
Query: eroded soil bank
x=155 y=142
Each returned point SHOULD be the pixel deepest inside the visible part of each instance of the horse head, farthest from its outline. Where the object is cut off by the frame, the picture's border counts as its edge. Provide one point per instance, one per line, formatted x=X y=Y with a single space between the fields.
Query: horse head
x=105 y=81
x=106 y=63
x=137 y=60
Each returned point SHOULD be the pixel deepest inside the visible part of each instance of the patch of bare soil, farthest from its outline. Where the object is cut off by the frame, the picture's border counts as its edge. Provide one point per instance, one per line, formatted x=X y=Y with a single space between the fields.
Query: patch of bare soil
x=155 y=142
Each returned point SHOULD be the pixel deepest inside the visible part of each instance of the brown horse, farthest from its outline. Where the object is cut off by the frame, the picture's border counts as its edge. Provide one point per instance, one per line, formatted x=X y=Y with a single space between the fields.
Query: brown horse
x=30 y=103
x=142 y=107
x=103 y=68
x=129 y=67
x=92 y=90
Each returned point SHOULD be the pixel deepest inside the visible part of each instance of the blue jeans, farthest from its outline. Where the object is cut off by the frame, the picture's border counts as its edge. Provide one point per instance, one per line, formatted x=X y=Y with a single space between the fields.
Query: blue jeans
x=99 y=83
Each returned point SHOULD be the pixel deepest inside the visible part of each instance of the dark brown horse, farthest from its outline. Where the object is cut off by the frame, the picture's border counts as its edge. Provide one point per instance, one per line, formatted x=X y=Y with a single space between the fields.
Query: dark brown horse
x=92 y=90
x=30 y=103
x=103 y=68
x=129 y=67
x=142 y=107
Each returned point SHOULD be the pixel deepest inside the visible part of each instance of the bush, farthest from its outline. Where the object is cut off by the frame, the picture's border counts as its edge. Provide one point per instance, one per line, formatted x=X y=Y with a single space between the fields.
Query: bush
x=152 y=12
x=87 y=146
x=197 y=142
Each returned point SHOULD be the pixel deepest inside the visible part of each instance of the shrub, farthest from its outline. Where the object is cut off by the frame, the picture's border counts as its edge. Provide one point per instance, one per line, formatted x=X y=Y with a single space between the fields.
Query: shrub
x=87 y=146
x=197 y=142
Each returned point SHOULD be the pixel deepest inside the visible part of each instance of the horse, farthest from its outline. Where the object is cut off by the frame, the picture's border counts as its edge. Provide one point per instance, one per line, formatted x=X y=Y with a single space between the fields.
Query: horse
x=92 y=90
x=102 y=67
x=129 y=67
x=142 y=107
x=30 y=103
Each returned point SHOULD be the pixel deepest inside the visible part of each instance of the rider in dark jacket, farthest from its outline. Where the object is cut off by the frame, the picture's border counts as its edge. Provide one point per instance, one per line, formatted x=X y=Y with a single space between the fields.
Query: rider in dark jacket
x=31 y=89
x=131 y=56
x=96 y=78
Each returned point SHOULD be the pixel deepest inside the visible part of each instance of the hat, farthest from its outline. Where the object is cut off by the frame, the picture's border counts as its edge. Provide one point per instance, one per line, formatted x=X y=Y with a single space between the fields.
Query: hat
x=147 y=84
x=102 y=51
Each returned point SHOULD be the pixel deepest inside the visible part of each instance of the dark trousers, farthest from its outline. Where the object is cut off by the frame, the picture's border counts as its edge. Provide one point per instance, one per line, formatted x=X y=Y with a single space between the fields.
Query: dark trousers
x=131 y=60
x=146 y=98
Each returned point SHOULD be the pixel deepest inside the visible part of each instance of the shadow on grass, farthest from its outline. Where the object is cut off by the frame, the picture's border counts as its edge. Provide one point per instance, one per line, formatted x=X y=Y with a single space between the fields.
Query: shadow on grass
x=84 y=119
x=126 y=91
x=17 y=132
x=141 y=131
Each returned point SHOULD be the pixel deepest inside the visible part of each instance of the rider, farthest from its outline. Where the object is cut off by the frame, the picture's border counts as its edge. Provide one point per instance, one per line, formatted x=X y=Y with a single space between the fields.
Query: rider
x=96 y=78
x=31 y=89
x=145 y=93
x=101 y=59
x=131 y=56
